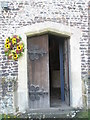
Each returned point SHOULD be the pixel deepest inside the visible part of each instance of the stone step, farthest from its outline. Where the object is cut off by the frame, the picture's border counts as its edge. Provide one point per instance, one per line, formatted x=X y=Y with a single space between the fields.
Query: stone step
x=50 y=113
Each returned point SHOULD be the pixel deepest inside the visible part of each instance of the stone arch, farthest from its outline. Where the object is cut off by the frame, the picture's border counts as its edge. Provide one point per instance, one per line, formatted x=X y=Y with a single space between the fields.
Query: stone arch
x=75 y=62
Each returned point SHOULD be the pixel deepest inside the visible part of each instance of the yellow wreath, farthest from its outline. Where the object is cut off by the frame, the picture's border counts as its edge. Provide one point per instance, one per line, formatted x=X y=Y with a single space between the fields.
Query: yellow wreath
x=14 y=47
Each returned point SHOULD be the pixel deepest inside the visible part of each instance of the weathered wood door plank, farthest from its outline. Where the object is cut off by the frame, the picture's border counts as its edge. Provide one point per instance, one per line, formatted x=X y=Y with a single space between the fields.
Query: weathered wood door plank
x=38 y=67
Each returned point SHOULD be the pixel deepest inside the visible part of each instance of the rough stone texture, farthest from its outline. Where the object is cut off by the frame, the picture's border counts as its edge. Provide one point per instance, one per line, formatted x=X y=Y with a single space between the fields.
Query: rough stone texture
x=27 y=12
x=7 y=88
x=89 y=56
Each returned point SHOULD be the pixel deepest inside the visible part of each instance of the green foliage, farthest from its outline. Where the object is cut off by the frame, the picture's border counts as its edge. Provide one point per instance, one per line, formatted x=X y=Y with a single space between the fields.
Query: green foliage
x=7 y=116
x=89 y=114
x=83 y=114
x=0 y=117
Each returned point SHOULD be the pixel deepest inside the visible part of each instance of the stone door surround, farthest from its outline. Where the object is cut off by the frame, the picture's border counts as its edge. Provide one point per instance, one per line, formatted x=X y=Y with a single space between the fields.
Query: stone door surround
x=74 y=61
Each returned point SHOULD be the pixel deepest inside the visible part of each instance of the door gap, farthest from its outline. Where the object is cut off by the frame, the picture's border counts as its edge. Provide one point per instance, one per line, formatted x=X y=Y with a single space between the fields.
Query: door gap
x=54 y=70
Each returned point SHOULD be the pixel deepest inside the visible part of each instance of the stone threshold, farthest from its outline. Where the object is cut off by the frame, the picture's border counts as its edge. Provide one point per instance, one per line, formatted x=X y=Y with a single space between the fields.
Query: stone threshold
x=49 y=113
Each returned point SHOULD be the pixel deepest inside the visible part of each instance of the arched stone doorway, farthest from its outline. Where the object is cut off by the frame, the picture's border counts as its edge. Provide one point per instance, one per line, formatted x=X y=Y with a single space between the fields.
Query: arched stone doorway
x=75 y=83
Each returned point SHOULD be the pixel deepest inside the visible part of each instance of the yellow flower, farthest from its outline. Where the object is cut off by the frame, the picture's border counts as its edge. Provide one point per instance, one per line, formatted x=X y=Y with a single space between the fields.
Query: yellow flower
x=7 y=46
x=10 y=54
x=19 y=47
x=14 y=116
x=15 y=56
x=13 y=40
x=13 y=51
x=7 y=40
x=17 y=37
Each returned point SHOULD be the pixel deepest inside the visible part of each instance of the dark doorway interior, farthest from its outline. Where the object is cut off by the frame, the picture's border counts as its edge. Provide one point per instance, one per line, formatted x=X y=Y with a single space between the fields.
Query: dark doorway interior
x=54 y=69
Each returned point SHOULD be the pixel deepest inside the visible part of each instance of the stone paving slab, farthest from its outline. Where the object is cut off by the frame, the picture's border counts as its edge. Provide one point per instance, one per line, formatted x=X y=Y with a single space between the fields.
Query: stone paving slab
x=50 y=113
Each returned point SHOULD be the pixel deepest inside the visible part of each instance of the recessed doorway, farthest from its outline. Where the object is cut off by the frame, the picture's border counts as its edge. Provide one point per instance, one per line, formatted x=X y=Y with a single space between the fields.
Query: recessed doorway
x=48 y=72
x=73 y=35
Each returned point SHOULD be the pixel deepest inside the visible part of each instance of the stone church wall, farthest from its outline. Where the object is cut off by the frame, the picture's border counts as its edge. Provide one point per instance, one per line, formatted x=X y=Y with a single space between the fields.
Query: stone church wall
x=27 y=12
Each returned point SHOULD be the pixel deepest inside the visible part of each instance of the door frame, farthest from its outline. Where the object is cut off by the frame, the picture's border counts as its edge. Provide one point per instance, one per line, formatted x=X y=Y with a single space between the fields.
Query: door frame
x=74 y=64
x=61 y=71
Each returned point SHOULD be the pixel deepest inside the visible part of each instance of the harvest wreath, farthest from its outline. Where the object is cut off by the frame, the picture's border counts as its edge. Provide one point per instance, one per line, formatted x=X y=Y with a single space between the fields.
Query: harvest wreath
x=14 y=47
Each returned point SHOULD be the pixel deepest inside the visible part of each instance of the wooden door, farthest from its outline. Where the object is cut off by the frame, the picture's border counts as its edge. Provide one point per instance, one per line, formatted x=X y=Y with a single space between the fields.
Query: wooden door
x=66 y=72
x=61 y=71
x=38 y=72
